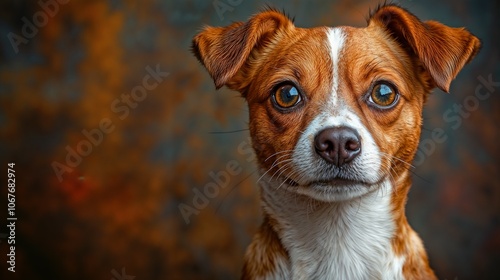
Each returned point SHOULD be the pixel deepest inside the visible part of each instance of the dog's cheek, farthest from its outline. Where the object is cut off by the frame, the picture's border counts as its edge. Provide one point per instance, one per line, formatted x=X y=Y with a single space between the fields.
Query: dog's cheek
x=406 y=135
x=396 y=133
x=272 y=132
x=263 y=134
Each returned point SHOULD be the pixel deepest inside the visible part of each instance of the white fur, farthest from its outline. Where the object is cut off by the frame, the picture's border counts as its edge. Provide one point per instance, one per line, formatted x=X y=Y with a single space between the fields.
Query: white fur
x=339 y=240
x=336 y=40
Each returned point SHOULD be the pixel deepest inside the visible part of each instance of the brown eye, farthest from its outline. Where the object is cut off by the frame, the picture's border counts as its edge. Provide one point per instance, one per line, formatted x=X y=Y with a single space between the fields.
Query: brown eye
x=286 y=96
x=383 y=95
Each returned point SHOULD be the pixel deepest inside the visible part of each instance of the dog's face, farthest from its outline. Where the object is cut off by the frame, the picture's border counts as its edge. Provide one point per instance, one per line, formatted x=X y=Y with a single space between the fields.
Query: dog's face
x=335 y=112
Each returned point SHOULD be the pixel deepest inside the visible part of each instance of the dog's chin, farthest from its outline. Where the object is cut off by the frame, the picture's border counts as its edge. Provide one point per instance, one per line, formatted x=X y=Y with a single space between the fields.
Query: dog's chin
x=335 y=190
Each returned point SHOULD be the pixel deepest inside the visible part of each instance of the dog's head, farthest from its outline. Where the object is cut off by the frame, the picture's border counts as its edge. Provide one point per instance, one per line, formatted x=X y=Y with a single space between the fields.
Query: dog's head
x=334 y=112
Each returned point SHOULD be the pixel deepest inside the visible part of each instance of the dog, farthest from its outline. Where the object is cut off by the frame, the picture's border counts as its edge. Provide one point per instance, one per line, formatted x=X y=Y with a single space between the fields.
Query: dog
x=335 y=117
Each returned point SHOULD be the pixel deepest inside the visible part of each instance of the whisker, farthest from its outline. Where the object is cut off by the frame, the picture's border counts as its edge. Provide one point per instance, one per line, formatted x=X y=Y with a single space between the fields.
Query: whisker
x=275 y=163
x=286 y=177
x=390 y=157
x=286 y=163
x=395 y=157
x=225 y=132
x=280 y=152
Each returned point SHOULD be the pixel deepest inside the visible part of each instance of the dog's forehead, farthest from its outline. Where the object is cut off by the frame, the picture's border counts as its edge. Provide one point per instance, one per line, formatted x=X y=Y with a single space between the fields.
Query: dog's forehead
x=336 y=38
x=361 y=56
x=354 y=48
x=342 y=49
x=324 y=61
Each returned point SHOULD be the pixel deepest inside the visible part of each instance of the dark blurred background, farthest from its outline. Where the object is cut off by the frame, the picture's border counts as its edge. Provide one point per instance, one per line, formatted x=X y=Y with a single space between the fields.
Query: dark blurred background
x=69 y=70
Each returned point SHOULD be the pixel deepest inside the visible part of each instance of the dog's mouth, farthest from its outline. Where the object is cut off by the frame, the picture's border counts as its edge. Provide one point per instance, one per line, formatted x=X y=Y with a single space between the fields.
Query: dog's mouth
x=336 y=182
x=332 y=188
x=333 y=182
x=331 y=185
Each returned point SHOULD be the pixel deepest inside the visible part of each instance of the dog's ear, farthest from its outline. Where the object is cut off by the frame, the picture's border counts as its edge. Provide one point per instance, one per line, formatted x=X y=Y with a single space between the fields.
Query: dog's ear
x=224 y=50
x=442 y=50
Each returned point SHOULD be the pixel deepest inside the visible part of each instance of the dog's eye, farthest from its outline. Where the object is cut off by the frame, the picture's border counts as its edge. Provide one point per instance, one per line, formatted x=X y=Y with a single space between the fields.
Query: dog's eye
x=286 y=96
x=383 y=95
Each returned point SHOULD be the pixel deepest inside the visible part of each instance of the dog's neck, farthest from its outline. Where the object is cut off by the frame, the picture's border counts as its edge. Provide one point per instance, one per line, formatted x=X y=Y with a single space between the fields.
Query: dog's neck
x=348 y=240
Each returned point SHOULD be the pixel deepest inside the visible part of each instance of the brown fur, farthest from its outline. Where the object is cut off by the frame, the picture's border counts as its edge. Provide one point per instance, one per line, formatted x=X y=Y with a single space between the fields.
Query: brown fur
x=254 y=57
x=264 y=252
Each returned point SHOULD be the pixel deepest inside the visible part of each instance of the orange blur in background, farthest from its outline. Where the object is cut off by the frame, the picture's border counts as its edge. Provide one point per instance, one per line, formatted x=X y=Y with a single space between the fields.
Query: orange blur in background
x=114 y=128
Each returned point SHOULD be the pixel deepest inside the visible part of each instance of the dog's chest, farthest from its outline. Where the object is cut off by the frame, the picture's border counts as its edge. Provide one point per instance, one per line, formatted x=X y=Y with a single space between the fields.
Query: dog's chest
x=338 y=241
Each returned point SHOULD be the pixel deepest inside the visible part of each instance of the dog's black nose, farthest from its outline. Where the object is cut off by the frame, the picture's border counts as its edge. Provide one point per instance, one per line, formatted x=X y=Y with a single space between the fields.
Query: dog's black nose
x=338 y=145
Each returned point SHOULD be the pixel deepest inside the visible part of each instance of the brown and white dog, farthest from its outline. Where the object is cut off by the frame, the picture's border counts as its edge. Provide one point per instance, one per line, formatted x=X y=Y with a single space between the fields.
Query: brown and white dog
x=335 y=117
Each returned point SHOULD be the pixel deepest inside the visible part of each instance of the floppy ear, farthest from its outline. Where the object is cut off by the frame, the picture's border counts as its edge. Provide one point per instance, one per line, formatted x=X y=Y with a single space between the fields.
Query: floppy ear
x=224 y=50
x=442 y=50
